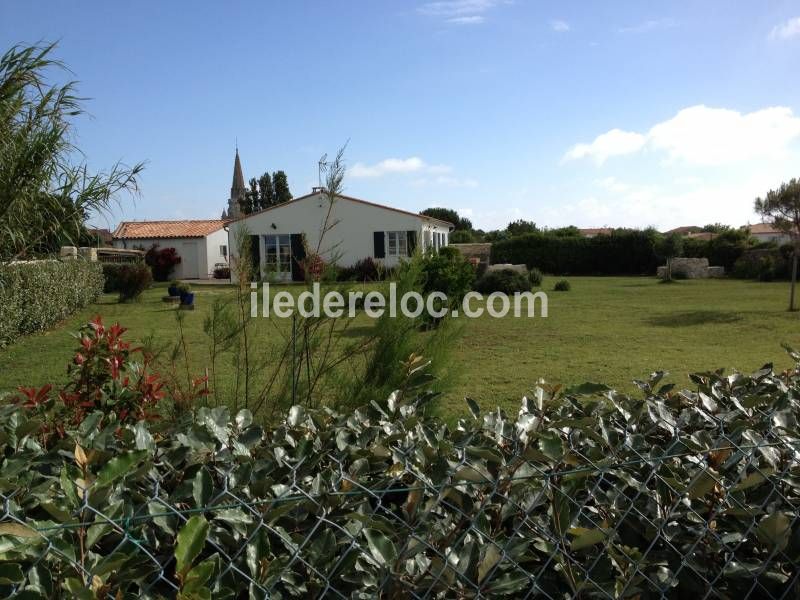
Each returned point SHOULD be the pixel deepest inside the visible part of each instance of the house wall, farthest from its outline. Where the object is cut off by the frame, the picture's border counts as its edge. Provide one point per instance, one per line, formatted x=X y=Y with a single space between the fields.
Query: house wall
x=351 y=236
x=778 y=237
x=194 y=257
x=213 y=254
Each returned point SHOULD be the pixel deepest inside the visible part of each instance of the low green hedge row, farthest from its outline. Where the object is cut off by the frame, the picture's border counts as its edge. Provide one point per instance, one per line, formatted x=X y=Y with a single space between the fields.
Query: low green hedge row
x=35 y=295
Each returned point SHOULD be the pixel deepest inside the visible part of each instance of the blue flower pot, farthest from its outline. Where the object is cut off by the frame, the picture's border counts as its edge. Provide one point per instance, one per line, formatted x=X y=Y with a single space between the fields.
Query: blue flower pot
x=187 y=299
x=173 y=290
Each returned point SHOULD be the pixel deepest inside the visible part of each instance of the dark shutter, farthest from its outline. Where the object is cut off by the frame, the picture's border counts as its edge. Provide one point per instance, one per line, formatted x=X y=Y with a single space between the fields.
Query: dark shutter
x=255 y=257
x=380 y=244
x=411 y=237
x=298 y=256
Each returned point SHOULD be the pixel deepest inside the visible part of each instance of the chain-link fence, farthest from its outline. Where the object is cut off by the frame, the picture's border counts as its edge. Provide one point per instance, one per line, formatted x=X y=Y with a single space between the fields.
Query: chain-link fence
x=677 y=494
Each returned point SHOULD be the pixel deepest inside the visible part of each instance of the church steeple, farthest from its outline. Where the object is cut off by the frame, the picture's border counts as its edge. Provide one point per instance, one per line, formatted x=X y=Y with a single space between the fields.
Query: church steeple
x=238 y=189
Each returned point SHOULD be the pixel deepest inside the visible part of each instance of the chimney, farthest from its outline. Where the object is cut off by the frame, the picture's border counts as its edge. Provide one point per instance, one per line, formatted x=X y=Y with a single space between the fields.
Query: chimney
x=317 y=190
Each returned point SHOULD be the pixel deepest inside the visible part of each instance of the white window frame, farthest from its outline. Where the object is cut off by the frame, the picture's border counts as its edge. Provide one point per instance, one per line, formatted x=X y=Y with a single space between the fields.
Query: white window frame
x=400 y=241
x=223 y=250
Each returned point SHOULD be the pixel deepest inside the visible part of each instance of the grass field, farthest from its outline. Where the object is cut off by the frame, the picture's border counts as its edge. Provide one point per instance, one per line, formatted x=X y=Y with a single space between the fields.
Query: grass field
x=608 y=330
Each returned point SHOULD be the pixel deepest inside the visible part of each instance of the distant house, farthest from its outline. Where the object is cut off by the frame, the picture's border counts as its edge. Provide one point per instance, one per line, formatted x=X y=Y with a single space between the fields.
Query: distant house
x=595 y=231
x=100 y=237
x=200 y=244
x=357 y=229
x=685 y=230
x=767 y=232
x=702 y=235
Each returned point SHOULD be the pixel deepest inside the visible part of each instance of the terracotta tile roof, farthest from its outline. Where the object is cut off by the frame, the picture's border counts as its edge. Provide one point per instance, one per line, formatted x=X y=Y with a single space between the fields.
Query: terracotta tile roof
x=596 y=231
x=765 y=228
x=351 y=199
x=684 y=230
x=166 y=229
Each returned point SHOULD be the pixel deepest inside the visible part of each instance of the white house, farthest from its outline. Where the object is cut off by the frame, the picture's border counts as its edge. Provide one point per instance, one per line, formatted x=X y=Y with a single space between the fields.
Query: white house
x=356 y=229
x=201 y=244
x=767 y=232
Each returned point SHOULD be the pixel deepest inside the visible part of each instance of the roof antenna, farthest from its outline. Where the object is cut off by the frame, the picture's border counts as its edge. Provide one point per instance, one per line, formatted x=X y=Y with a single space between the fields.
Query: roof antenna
x=322 y=166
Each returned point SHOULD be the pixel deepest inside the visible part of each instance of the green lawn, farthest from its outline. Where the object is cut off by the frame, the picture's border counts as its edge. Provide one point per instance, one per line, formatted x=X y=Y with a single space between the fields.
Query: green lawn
x=610 y=330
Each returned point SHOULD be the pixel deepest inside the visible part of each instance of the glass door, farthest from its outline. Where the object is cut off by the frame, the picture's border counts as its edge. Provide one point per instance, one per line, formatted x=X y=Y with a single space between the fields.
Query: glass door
x=278 y=257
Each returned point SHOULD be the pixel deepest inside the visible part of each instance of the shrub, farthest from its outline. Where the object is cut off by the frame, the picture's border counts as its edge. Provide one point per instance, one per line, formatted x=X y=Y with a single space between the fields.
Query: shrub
x=562 y=286
x=461 y=236
x=162 y=261
x=448 y=272
x=364 y=270
x=764 y=264
x=624 y=252
x=35 y=295
x=535 y=276
x=670 y=494
x=222 y=272
x=506 y=281
x=129 y=280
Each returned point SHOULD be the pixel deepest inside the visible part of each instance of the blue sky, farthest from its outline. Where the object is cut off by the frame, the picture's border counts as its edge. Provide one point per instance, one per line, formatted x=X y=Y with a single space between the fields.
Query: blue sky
x=612 y=113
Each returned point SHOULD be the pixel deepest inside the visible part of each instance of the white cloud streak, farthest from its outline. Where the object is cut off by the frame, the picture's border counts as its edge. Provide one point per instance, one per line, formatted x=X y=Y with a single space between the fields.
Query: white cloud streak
x=559 y=26
x=468 y=20
x=395 y=166
x=649 y=25
x=786 y=30
x=455 y=8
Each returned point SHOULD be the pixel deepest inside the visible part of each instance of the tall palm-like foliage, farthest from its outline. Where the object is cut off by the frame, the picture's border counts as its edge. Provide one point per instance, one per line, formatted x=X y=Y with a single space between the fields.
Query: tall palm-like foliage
x=46 y=189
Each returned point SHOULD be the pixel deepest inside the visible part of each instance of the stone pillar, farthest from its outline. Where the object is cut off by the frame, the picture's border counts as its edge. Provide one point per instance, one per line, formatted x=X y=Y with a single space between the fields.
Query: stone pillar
x=89 y=254
x=68 y=253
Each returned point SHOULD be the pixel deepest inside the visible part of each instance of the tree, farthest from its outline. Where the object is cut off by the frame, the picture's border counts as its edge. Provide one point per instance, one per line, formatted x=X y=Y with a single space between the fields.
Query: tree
x=266 y=194
x=460 y=236
x=253 y=199
x=716 y=228
x=46 y=190
x=520 y=227
x=449 y=215
x=280 y=186
x=782 y=208
x=670 y=246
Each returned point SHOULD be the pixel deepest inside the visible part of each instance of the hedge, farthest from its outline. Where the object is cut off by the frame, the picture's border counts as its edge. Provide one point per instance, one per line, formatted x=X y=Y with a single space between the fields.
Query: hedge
x=585 y=492
x=624 y=252
x=34 y=295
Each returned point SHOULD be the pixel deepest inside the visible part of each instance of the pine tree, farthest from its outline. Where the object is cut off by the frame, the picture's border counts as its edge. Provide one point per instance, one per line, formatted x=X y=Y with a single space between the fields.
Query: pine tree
x=281 y=187
x=265 y=191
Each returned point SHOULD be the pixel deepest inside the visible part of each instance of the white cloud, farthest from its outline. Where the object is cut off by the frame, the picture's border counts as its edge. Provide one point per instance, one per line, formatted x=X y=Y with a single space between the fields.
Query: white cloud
x=649 y=25
x=670 y=202
x=447 y=181
x=467 y=20
x=391 y=166
x=702 y=135
x=460 y=12
x=455 y=8
x=612 y=143
x=612 y=184
x=559 y=26
x=786 y=30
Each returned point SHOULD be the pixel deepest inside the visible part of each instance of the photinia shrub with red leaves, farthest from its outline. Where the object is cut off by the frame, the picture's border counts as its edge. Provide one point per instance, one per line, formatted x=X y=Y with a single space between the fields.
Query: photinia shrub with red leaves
x=104 y=377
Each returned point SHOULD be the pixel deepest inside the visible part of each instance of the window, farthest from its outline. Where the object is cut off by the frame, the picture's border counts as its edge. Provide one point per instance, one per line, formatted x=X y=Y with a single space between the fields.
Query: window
x=397 y=243
x=223 y=250
x=278 y=253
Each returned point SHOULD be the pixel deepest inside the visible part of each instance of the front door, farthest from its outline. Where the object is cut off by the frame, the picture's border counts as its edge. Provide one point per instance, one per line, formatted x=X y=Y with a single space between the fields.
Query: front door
x=278 y=257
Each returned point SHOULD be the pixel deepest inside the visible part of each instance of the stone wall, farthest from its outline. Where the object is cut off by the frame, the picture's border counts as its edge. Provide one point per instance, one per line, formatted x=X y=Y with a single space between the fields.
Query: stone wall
x=691 y=268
